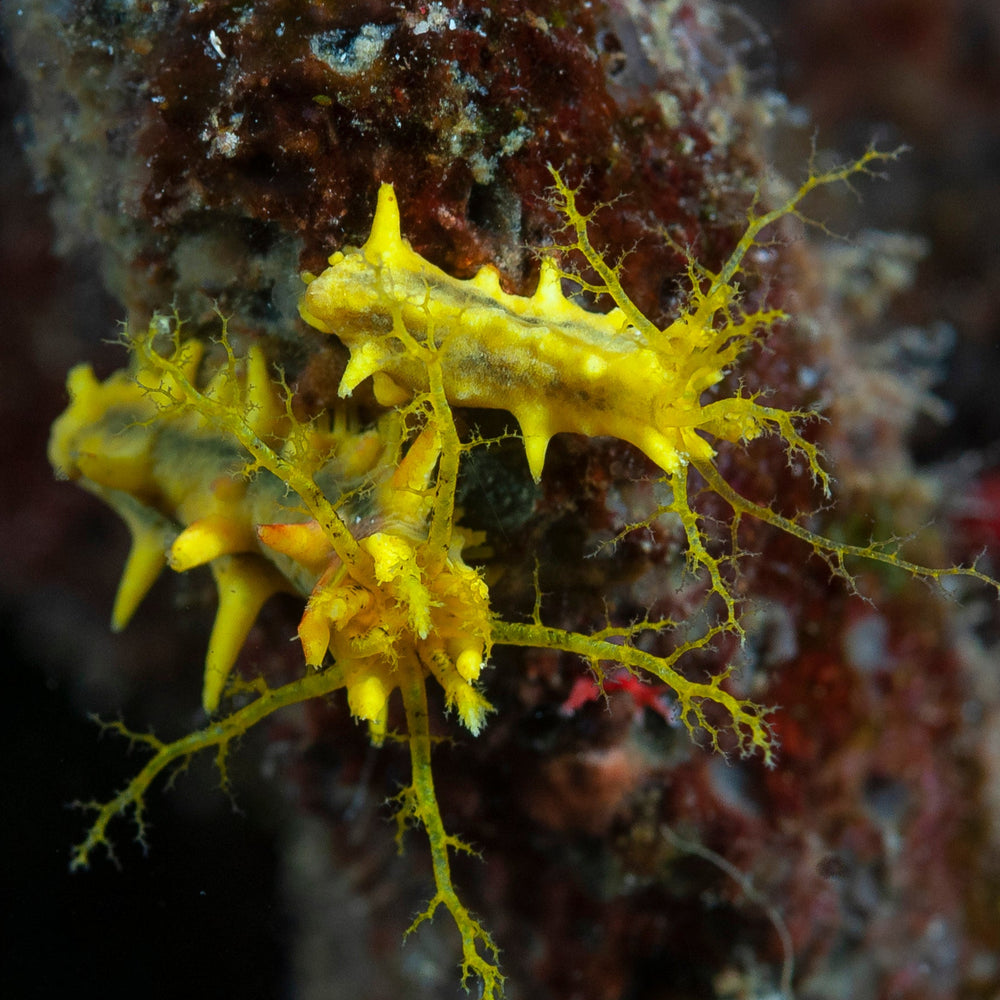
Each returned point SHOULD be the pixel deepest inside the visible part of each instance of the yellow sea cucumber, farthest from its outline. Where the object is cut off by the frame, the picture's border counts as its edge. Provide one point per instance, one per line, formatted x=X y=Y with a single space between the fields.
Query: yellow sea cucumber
x=206 y=460
x=553 y=364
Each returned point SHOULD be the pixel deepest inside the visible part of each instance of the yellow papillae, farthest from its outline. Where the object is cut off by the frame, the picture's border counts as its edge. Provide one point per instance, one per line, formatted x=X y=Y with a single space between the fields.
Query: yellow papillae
x=181 y=483
x=206 y=462
x=554 y=365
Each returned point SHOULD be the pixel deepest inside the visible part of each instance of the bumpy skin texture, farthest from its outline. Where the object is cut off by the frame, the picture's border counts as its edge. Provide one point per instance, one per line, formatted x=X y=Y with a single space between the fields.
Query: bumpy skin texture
x=176 y=482
x=555 y=365
x=365 y=522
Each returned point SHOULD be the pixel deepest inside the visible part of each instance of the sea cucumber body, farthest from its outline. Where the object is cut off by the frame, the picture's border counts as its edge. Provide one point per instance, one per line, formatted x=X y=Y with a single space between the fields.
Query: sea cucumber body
x=556 y=366
x=179 y=485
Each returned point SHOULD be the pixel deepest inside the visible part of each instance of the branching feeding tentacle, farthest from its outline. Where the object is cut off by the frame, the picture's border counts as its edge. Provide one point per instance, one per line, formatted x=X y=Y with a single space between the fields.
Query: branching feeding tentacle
x=747 y=722
x=418 y=802
x=219 y=734
x=836 y=553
